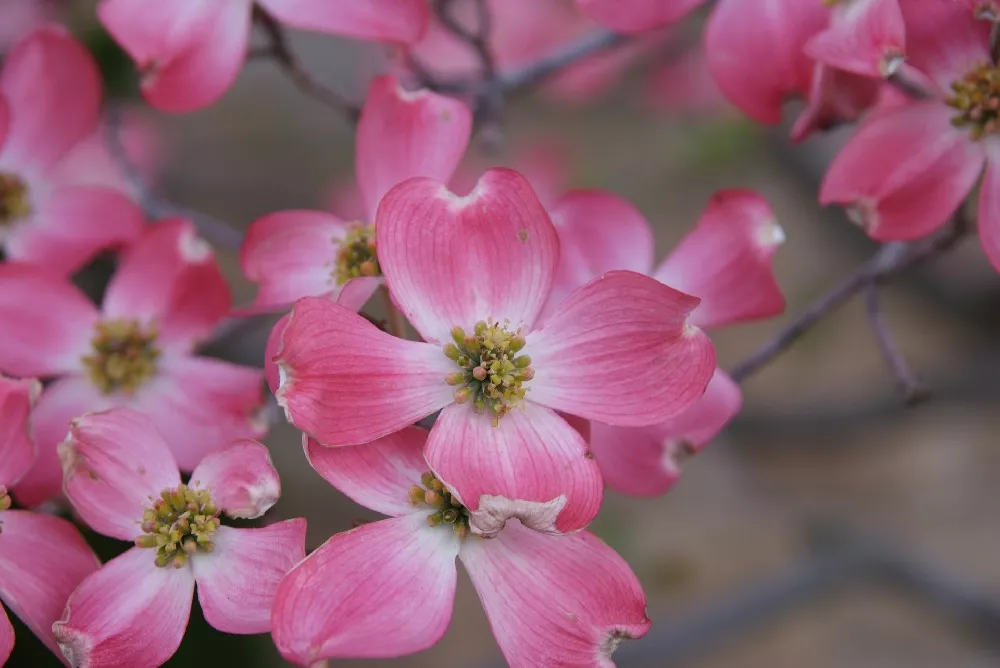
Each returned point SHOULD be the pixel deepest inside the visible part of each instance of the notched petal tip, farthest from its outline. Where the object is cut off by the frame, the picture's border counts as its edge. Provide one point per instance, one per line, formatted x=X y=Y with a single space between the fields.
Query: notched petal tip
x=494 y=511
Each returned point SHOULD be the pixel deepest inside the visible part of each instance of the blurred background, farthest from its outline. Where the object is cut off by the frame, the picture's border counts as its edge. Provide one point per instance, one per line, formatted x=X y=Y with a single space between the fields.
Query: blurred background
x=829 y=526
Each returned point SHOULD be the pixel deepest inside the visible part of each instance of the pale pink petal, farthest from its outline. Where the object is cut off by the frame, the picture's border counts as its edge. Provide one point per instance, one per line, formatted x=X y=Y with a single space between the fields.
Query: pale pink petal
x=533 y=466
x=403 y=21
x=636 y=15
x=621 y=350
x=377 y=475
x=452 y=260
x=6 y=637
x=646 y=461
x=835 y=97
x=685 y=86
x=555 y=600
x=903 y=174
x=74 y=224
x=42 y=560
x=989 y=209
x=170 y=278
x=944 y=40
x=53 y=91
x=402 y=135
x=598 y=232
x=384 y=589
x=201 y=404
x=238 y=579
x=47 y=322
x=17 y=447
x=129 y=613
x=241 y=479
x=755 y=52
x=344 y=381
x=292 y=254
x=726 y=261
x=345 y=201
x=114 y=463
x=866 y=37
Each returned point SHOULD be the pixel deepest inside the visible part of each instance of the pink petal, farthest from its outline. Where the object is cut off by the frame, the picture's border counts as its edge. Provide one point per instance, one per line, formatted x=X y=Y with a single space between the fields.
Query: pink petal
x=72 y=225
x=271 y=352
x=621 y=350
x=237 y=581
x=555 y=600
x=989 y=209
x=598 y=232
x=42 y=560
x=292 y=254
x=866 y=37
x=17 y=447
x=456 y=260
x=944 y=40
x=727 y=261
x=904 y=173
x=533 y=466
x=6 y=637
x=397 y=600
x=835 y=97
x=48 y=323
x=402 y=135
x=201 y=404
x=684 y=86
x=636 y=15
x=114 y=463
x=403 y=21
x=377 y=475
x=53 y=91
x=755 y=51
x=129 y=613
x=170 y=278
x=344 y=381
x=241 y=478
x=646 y=461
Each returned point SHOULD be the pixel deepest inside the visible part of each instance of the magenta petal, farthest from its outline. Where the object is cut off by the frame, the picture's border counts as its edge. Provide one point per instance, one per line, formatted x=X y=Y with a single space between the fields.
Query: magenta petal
x=636 y=15
x=378 y=475
x=241 y=479
x=403 y=21
x=402 y=135
x=271 y=349
x=727 y=261
x=944 y=40
x=17 y=447
x=989 y=210
x=129 y=613
x=237 y=581
x=452 y=260
x=620 y=350
x=42 y=560
x=555 y=600
x=533 y=466
x=344 y=381
x=114 y=463
x=835 y=97
x=866 y=37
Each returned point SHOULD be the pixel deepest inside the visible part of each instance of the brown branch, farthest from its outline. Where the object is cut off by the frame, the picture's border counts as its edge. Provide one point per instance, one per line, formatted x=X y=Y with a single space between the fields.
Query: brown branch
x=910 y=385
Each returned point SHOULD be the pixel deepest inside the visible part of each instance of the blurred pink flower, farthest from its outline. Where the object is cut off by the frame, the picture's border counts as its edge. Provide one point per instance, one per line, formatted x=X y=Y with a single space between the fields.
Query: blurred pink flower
x=137 y=350
x=190 y=53
x=472 y=275
x=726 y=261
x=42 y=558
x=630 y=16
x=50 y=96
x=386 y=588
x=123 y=481
x=19 y=17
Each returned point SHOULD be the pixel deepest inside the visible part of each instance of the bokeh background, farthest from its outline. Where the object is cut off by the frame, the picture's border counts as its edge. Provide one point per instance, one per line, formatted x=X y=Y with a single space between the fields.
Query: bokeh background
x=829 y=526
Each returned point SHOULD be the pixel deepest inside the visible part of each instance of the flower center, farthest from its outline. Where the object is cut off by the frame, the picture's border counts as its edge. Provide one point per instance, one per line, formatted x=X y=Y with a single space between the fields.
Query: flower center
x=492 y=374
x=124 y=356
x=446 y=509
x=14 y=202
x=179 y=524
x=356 y=255
x=976 y=97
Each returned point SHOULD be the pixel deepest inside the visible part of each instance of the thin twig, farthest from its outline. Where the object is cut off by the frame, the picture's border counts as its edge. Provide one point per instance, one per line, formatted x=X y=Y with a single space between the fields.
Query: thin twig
x=910 y=385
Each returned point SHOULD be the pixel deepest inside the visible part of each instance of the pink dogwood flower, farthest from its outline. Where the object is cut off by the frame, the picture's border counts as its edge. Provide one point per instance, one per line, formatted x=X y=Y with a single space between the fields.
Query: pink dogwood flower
x=551 y=600
x=472 y=275
x=189 y=53
x=123 y=481
x=293 y=254
x=19 y=17
x=136 y=350
x=42 y=558
x=50 y=97
x=629 y=16
x=726 y=261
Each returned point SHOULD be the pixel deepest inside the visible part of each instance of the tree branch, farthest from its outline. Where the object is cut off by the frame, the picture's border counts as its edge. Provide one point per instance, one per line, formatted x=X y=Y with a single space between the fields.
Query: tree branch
x=910 y=385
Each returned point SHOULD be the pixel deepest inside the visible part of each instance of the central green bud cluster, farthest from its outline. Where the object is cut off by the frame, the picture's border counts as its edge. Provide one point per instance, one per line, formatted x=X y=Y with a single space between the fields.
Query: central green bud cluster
x=179 y=524
x=14 y=202
x=124 y=356
x=977 y=99
x=446 y=509
x=356 y=256
x=492 y=374
x=5 y=502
